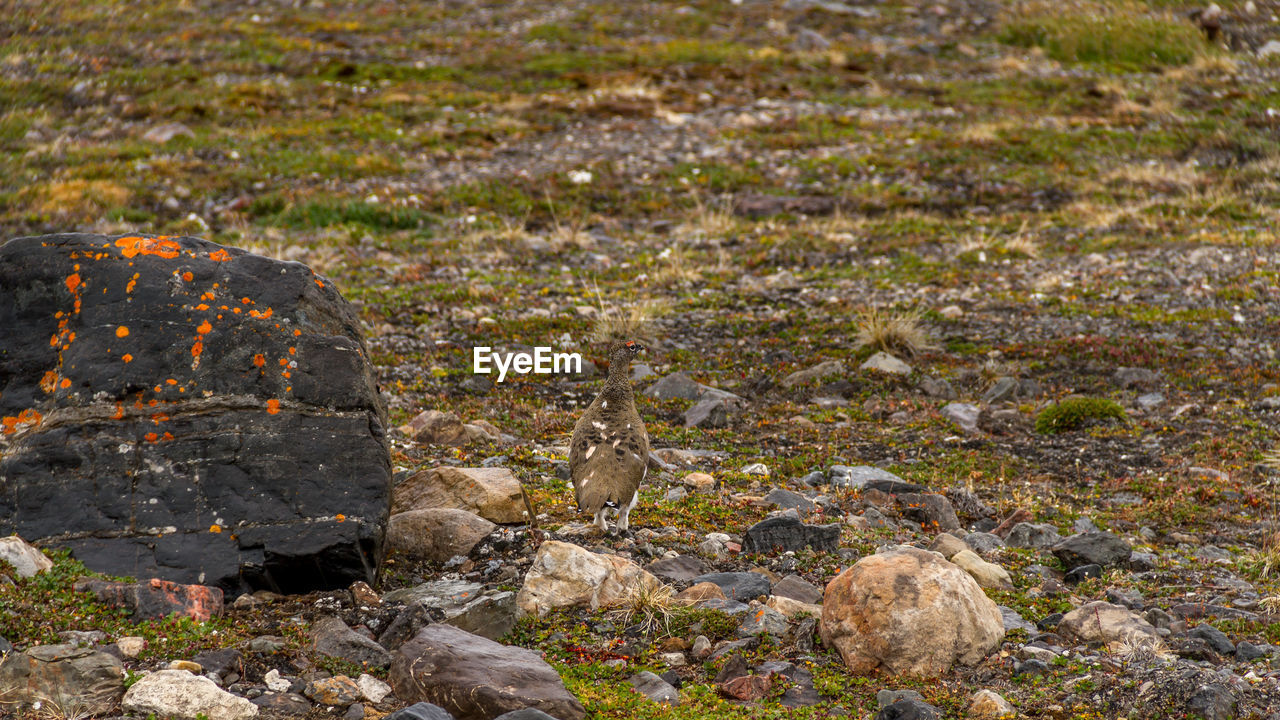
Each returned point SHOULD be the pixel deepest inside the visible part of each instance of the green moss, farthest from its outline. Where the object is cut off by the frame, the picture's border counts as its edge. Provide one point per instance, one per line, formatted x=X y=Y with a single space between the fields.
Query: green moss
x=1074 y=413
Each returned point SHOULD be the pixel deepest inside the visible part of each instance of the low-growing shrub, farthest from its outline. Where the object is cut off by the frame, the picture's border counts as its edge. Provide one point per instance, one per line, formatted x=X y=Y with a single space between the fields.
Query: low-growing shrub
x=1074 y=413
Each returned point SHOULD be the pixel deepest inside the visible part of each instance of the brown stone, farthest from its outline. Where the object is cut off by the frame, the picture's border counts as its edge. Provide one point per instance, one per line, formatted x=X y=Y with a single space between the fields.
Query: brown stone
x=438 y=428
x=908 y=611
x=476 y=679
x=700 y=592
x=748 y=687
x=492 y=493
x=436 y=534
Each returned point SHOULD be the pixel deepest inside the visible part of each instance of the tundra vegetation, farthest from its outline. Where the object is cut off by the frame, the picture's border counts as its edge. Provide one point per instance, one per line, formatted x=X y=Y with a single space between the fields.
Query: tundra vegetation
x=1032 y=197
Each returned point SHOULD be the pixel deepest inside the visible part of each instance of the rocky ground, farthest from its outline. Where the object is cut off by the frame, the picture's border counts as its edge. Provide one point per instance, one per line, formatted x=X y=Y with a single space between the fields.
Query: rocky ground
x=1021 y=203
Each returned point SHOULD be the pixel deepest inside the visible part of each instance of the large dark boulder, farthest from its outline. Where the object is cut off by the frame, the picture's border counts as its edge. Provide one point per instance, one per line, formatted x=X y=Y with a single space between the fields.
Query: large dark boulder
x=177 y=409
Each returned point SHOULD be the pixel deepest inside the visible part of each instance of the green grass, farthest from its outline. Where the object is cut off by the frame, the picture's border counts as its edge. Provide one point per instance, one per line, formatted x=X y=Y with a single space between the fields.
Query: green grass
x=1123 y=35
x=327 y=214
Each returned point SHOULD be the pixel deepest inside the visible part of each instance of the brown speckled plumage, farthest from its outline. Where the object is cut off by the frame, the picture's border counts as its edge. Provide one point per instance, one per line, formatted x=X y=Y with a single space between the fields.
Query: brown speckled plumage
x=609 y=452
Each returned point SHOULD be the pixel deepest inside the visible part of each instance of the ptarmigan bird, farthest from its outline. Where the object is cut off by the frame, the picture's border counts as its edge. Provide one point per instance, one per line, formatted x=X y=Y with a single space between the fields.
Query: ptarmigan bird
x=609 y=452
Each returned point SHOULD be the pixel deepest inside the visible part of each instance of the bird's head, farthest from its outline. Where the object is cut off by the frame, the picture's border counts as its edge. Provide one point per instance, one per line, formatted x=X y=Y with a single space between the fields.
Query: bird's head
x=622 y=353
x=626 y=349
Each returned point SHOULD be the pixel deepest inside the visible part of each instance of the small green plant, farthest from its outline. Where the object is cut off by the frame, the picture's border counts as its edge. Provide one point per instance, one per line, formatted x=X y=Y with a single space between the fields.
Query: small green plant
x=1074 y=413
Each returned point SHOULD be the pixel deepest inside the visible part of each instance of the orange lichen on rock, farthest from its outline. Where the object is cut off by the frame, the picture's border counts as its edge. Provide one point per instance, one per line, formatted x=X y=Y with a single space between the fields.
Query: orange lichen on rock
x=188 y=276
x=259 y=360
x=159 y=246
x=204 y=328
x=73 y=282
x=152 y=437
x=122 y=331
x=133 y=281
x=119 y=412
x=273 y=406
x=219 y=256
x=26 y=418
x=66 y=383
x=127 y=357
x=49 y=382
x=264 y=314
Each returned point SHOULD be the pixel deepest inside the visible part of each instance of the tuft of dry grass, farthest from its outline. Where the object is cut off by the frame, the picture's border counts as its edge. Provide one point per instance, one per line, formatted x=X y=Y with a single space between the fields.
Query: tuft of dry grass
x=1138 y=649
x=1265 y=562
x=633 y=321
x=839 y=226
x=898 y=332
x=1204 y=66
x=652 y=606
x=708 y=219
x=676 y=266
x=1021 y=243
x=985 y=133
x=1164 y=177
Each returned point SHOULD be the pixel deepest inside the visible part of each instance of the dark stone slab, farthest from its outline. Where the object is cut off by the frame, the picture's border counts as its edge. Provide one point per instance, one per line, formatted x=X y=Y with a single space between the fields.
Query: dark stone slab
x=682 y=568
x=797 y=588
x=1098 y=548
x=785 y=532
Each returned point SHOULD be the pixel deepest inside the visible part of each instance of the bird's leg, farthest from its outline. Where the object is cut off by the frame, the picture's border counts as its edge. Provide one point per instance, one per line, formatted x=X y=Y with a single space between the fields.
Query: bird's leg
x=624 y=512
x=600 y=521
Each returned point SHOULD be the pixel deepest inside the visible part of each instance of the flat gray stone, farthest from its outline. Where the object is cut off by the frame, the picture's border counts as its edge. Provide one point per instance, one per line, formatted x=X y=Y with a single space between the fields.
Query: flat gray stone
x=886 y=363
x=821 y=370
x=655 y=688
x=964 y=415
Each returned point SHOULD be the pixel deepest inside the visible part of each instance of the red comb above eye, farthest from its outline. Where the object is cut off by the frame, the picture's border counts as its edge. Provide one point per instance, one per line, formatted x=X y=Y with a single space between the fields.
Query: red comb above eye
x=631 y=344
